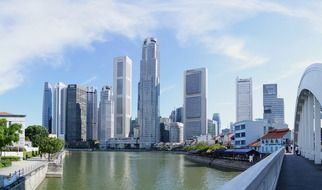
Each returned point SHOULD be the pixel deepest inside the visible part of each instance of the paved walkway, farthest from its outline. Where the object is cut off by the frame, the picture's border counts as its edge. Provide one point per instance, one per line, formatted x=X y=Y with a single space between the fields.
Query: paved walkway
x=299 y=173
x=26 y=165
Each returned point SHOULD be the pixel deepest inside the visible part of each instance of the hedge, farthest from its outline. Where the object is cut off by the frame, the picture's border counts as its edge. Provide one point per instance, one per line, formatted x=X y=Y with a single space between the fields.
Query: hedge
x=5 y=163
x=11 y=158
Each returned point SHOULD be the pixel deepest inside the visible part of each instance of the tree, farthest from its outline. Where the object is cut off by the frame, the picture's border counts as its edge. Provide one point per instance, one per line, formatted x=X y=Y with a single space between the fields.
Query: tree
x=50 y=146
x=8 y=135
x=35 y=133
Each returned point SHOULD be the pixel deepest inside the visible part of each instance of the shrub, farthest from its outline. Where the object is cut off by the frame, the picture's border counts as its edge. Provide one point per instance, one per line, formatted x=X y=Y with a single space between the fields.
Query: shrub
x=11 y=158
x=203 y=147
x=5 y=163
x=27 y=155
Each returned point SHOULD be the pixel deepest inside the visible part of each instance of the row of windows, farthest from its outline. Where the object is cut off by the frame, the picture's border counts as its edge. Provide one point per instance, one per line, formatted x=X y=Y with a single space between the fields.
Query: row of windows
x=270 y=141
x=240 y=135
x=240 y=127
x=242 y=142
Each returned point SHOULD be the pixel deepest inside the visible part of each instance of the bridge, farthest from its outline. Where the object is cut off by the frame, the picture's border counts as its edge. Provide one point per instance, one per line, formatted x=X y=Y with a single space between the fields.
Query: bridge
x=287 y=171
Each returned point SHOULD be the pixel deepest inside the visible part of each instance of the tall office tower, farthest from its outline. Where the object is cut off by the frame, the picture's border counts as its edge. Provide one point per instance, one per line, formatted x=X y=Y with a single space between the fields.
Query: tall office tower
x=179 y=112
x=149 y=94
x=273 y=106
x=91 y=126
x=217 y=122
x=122 y=96
x=59 y=110
x=172 y=116
x=244 y=99
x=195 y=103
x=47 y=107
x=76 y=114
x=106 y=115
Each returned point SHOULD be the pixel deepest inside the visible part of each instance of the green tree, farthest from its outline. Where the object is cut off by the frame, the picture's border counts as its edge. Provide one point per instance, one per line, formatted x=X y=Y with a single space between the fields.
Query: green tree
x=50 y=146
x=35 y=133
x=8 y=135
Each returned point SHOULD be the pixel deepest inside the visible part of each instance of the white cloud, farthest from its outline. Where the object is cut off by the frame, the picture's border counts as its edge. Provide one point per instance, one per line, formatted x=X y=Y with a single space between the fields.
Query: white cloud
x=43 y=29
x=89 y=80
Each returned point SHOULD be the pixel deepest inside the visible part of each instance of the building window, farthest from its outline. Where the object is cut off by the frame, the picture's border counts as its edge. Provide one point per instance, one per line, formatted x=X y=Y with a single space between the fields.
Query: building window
x=243 y=142
x=237 y=135
x=243 y=126
x=237 y=142
x=237 y=127
x=243 y=134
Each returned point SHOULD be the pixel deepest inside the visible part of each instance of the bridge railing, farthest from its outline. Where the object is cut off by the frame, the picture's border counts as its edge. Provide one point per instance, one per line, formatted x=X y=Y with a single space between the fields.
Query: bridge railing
x=261 y=176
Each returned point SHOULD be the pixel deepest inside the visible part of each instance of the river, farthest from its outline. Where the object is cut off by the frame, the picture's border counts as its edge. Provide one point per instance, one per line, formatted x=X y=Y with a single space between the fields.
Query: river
x=134 y=171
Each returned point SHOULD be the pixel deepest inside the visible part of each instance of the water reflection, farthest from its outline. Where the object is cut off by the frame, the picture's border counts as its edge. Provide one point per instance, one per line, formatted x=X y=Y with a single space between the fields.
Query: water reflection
x=135 y=170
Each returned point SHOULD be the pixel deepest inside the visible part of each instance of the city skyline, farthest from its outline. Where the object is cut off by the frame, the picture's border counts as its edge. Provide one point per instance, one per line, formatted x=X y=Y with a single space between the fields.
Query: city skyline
x=228 y=49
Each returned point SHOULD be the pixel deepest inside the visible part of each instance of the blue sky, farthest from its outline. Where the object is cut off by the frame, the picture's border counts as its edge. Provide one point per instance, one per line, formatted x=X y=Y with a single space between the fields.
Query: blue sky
x=75 y=42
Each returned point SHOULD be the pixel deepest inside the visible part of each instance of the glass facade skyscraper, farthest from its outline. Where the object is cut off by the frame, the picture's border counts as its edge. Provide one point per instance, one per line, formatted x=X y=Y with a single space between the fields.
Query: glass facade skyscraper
x=149 y=94
x=47 y=107
x=92 y=117
x=244 y=99
x=217 y=123
x=195 y=103
x=273 y=106
x=76 y=114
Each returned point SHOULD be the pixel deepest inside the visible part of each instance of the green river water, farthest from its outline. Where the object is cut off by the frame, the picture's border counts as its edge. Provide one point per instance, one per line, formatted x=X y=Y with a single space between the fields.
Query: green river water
x=134 y=171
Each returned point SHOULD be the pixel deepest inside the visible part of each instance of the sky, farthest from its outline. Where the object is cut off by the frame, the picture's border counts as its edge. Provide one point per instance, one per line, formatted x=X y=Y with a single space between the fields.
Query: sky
x=75 y=41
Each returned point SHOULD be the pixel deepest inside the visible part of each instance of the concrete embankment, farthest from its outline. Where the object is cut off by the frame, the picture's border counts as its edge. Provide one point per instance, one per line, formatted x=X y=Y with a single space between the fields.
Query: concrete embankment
x=221 y=164
x=28 y=177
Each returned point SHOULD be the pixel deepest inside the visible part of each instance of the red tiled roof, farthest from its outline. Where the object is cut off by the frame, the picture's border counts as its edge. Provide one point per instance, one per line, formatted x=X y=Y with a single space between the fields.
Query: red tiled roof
x=5 y=113
x=276 y=133
x=256 y=143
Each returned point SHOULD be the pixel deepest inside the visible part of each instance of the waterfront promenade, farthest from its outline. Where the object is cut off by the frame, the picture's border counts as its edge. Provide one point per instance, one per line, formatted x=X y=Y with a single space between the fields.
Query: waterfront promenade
x=299 y=173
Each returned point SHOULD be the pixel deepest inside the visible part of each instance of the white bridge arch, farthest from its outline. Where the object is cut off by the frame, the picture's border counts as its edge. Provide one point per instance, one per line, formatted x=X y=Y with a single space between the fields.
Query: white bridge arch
x=307 y=125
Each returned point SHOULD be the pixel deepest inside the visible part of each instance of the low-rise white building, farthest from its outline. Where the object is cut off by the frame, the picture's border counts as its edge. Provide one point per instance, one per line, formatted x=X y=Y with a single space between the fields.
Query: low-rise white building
x=122 y=143
x=176 y=132
x=275 y=139
x=246 y=132
x=16 y=119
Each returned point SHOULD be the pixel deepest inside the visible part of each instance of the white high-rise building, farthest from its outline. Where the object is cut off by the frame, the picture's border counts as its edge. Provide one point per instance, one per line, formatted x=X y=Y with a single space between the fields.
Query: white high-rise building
x=59 y=110
x=244 y=99
x=122 y=96
x=106 y=115
x=195 y=103
x=149 y=94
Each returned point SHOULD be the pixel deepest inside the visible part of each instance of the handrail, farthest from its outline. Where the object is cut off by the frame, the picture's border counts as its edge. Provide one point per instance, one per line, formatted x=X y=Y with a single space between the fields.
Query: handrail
x=263 y=175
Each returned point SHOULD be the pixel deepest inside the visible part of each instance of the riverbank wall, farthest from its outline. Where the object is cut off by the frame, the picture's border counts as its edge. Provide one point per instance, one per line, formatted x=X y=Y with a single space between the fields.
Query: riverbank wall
x=221 y=164
x=32 y=177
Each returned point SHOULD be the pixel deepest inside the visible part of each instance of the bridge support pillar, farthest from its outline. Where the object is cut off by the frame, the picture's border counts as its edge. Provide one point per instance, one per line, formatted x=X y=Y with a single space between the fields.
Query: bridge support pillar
x=305 y=129
x=310 y=112
x=317 y=130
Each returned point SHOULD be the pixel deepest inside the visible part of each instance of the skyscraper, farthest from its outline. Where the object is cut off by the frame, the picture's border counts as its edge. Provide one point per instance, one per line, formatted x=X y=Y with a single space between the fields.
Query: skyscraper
x=195 y=103
x=217 y=122
x=47 y=107
x=91 y=114
x=76 y=114
x=244 y=99
x=149 y=94
x=273 y=106
x=59 y=110
x=122 y=95
x=106 y=115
